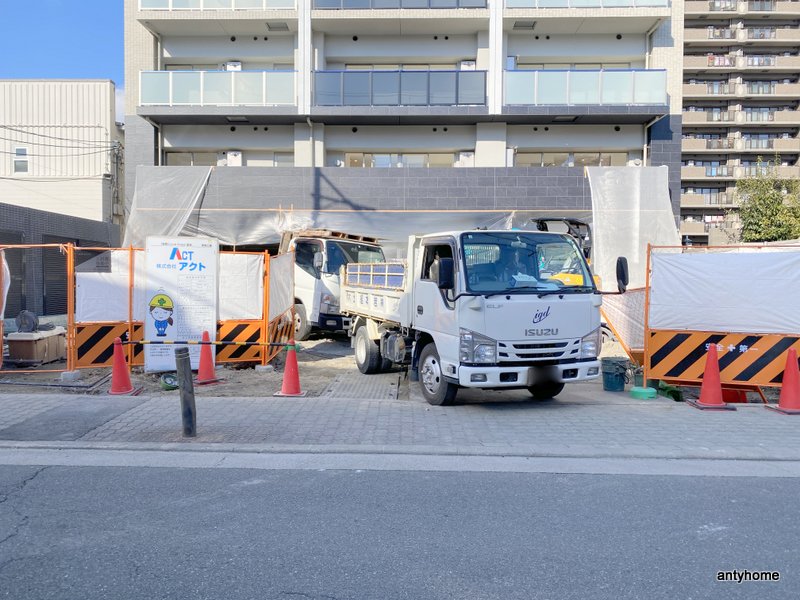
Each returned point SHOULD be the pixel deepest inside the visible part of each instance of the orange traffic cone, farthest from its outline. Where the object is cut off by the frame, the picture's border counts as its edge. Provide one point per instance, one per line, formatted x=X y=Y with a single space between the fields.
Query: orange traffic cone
x=711 y=390
x=789 y=401
x=120 y=378
x=205 y=370
x=291 y=376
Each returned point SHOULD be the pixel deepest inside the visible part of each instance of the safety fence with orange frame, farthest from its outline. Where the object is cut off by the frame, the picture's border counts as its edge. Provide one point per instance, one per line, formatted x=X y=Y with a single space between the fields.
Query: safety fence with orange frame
x=739 y=299
x=104 y=300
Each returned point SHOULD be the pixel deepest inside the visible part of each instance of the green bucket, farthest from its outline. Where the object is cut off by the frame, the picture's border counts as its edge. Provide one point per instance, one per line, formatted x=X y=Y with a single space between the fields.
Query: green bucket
x=615 y=373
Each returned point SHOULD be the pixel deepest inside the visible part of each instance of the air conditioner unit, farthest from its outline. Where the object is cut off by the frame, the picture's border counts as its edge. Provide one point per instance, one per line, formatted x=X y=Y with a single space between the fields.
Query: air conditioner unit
x=467 y=65
x=232 y=66
x=234 y=158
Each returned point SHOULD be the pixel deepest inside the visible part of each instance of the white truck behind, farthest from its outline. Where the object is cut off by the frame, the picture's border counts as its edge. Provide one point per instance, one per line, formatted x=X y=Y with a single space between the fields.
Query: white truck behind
x=319 y=254
x=479 y=309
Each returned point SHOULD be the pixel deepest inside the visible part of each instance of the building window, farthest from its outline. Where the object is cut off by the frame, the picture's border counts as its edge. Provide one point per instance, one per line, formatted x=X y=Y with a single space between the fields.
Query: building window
x=20 y=160
x=432 y=160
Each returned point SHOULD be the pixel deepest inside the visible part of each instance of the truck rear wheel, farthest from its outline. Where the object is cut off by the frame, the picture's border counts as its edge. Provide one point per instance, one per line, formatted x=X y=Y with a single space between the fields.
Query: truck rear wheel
x=367 y=352
x=435 y=388
x=302 y=328
x=543 y=391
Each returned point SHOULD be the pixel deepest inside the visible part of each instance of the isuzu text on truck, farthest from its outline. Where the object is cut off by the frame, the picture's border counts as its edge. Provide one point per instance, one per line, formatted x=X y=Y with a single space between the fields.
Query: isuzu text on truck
x=479 y=309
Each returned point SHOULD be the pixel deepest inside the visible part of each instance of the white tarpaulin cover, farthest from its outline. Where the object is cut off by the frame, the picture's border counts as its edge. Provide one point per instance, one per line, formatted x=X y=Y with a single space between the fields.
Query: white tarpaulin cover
x=241 y=286
x=625 y=313
x=753 y=291
x=630 y=209
x=281 y=284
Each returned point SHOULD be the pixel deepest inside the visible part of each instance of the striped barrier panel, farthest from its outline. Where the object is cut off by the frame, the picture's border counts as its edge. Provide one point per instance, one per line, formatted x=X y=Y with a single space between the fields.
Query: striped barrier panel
x=94 y=343
x=239 y=331
x=744 y=359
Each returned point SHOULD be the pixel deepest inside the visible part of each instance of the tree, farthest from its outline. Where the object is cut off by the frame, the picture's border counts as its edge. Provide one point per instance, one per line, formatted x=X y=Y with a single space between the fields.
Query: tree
x=769 y=207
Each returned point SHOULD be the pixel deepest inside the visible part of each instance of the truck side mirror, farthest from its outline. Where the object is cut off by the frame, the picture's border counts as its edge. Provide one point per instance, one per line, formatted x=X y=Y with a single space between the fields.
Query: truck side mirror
x=622 y=274
x=446 y=280
x=318 y=258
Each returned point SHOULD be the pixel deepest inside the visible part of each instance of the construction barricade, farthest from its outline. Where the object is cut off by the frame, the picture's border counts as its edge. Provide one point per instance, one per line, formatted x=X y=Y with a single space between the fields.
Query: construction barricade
x=739 y=301
x=104 y=300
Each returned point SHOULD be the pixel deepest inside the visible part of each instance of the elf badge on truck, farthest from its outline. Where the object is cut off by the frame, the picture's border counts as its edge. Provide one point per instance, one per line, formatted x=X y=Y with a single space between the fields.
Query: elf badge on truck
x=479 y=309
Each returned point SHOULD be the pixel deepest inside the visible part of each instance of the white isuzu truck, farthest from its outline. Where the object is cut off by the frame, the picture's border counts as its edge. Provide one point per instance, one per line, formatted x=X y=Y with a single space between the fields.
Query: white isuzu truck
x=319 y=255
x=479 y=309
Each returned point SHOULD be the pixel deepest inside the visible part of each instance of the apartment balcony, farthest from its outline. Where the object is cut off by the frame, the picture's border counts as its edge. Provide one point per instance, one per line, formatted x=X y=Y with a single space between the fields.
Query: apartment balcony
x=399 y=93
x=586 y=96
x=720 y=200
x=218 y=17
x=732 y=8
x=727 y=63
x=694 y=145
x=751 y=89
x=216 y=96
x=706 y=118
x=395 y=4
x=782 y=172
x=707 y=173
x=787 y=146
x=585 y=16
x=693 y=228
x=728 y=145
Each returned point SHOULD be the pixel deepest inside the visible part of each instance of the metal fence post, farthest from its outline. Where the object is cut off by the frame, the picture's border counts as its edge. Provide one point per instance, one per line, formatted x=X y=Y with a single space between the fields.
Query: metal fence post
x=186 y=387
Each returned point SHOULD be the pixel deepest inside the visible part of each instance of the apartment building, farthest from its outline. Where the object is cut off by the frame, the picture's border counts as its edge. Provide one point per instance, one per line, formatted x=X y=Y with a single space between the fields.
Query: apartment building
x=741 y=115
x=429 y=107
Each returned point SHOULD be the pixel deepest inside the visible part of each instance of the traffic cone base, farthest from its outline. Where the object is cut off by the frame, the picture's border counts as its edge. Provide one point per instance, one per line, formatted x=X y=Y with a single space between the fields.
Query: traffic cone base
x=291 y=376
x=711 y=389
x=120 y=377
x=789 y=401
x=205 y=370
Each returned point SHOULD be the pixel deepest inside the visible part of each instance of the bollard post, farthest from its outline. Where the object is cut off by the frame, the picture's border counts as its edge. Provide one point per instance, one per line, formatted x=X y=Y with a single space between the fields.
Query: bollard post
x=186 y=387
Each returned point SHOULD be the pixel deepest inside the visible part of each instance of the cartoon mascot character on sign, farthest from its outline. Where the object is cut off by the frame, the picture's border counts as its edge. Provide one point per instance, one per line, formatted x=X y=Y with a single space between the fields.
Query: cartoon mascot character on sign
x=161 y=308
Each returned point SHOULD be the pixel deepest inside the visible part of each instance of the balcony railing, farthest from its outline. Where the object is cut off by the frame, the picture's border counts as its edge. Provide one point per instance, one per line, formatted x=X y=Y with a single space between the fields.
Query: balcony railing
x=214 y=4
x=217 y=88
x=722 y=5
x=399 y=88
x=715 y=33
x=605 y=87
x=759 y=144
x=718 y=171
x=761 y=33
x=720 y=144
x=761 y=6
x=586 y=3
x=391 y=4
x=760 y=87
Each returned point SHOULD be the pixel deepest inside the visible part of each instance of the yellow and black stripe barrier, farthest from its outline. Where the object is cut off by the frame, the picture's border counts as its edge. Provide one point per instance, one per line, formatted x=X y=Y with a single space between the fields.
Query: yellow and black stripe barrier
x=745 y=359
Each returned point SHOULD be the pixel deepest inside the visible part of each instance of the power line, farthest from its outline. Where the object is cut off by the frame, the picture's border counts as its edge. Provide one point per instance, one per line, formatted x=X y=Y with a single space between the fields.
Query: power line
x=32 y=143
x=52 y=137
x=67 y=155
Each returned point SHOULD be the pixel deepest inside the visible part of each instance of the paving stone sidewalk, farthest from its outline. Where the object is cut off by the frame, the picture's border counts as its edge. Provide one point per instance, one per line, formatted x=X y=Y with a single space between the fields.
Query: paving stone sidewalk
x=585 y=421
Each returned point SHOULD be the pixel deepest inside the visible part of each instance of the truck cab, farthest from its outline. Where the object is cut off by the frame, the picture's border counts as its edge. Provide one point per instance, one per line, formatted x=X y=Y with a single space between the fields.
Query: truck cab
x=319 y=256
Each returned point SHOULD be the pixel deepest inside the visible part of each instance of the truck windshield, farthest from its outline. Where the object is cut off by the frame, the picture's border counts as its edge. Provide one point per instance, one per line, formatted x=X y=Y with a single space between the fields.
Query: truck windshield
x=340 y=253
x=502 y=261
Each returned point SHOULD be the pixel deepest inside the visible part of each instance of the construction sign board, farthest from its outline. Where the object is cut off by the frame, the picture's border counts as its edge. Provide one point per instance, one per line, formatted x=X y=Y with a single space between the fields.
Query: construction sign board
x=741 y=300
x=181 y=296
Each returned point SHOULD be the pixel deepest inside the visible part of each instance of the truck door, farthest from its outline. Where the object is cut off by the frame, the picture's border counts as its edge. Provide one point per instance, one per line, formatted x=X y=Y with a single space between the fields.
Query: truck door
x=431 y=310
x=307 y=284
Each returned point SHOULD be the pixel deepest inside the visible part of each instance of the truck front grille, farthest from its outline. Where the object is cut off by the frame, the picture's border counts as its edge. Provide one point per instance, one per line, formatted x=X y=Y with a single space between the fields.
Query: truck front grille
x=525 y=351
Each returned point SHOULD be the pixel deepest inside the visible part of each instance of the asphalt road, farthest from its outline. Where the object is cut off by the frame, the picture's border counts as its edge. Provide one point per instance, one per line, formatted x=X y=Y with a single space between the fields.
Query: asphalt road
x=204 y=533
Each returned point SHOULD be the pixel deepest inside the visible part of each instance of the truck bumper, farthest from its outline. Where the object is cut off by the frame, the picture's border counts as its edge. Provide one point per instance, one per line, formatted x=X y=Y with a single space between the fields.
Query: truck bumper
x=333 y=322
x=525 y=376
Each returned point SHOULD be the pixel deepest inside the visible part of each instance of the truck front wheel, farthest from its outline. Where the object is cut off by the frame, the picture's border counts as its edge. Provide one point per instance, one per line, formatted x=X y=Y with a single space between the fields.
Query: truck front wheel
x=543 y=391
x=302 y=328
x=367 y=352
x=436 y=389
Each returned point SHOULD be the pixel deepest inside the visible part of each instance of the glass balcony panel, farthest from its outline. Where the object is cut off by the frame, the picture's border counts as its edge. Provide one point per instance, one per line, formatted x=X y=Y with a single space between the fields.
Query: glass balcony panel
x=520 y=87
x=355 y=4
x=414 y=88
x=240 y=4
x=386 y=88
x=443 y=88
x=585 y=3
x=325 y=4
x=186 y=87
x=650 y=3
x=155 y=88
x=217 y=88
x=622 y=3
x=617 y=87
x=280 y=87
x=471 y=87
x=248 y=88
x=356 y=88
x=157 y=4
x=443 y=3
x=280 y=4
x=414 y=4
x=385 y=4
x=552 y=87
x=584 y=87
x=328 y=89
x=553 y=3
x=520 y=3
x=650 y=87
x=472 y=4
x=195 y=4
x=216 y=4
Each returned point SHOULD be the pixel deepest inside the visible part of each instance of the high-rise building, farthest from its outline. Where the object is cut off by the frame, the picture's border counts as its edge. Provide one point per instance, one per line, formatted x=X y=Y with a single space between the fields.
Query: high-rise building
x=323 y=107
x=740 y=114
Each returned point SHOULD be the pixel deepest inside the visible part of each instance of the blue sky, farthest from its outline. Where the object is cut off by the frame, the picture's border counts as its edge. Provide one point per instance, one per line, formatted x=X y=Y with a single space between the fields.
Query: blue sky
x=62 y=39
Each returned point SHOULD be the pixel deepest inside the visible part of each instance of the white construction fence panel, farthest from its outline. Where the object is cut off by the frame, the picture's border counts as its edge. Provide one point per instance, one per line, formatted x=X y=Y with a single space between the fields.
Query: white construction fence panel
x=625 y=313
x=241 y=286
x=103 y=296
x=281 y=284
x=742 y=292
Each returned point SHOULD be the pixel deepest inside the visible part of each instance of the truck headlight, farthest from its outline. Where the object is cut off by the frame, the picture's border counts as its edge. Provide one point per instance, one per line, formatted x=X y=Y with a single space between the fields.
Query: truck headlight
x=329 y=304
x=590 y=344
x=476 y=348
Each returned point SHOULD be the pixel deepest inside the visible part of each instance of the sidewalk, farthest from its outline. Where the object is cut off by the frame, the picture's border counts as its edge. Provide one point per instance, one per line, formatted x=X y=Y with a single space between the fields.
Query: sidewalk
x=584 y=421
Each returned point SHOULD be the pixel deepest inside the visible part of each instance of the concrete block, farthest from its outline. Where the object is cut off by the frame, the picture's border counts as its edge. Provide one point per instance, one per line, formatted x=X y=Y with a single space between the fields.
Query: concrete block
x=264 y=368
x=70 y=376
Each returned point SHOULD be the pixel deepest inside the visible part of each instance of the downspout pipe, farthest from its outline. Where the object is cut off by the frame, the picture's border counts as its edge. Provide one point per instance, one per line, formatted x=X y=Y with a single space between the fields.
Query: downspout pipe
x=311 y=140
